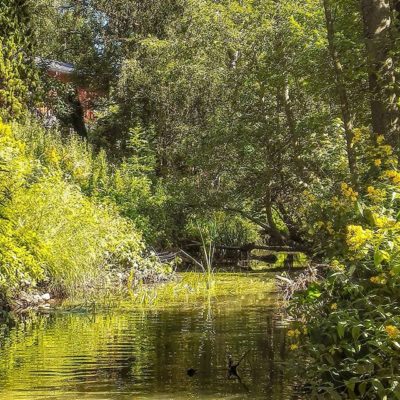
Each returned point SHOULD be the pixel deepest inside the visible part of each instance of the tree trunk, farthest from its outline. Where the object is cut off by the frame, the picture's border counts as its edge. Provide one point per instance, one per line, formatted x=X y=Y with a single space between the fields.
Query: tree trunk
x=285 y=101
x=384 y=110
x=77 y=115
x=342 y=92
x=290 y=119
x=274 y=232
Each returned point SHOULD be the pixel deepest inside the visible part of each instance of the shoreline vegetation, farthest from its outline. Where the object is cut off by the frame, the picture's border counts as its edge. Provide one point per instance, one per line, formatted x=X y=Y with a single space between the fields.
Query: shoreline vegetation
x=54 y=238
x=131 y=128
x=181 y=289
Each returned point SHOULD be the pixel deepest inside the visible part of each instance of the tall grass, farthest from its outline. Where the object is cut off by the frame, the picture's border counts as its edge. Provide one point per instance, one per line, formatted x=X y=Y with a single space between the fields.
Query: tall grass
x=207 y=233
x=76 y=234
x=227 y=229
x=132 y=191
x=53 y=230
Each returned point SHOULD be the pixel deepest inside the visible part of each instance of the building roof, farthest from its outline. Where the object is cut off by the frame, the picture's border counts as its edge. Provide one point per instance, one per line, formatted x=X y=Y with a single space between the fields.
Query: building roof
x=55 y=66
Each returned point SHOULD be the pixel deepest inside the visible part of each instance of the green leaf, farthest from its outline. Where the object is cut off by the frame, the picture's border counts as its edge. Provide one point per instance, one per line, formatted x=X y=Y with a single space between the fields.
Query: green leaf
x=380 y=389
x=351 y=384
x=360 y=207
x=379 y=256
x=362 y=388
x=341 y=327
x=355 y=332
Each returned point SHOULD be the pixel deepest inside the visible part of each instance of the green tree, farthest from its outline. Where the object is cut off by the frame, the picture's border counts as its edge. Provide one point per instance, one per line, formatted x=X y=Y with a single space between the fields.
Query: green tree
x=17 y=73
x=377 y=19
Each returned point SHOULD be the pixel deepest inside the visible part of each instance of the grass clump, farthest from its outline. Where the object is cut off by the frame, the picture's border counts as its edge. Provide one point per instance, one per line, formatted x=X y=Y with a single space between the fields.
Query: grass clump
x=194 y=287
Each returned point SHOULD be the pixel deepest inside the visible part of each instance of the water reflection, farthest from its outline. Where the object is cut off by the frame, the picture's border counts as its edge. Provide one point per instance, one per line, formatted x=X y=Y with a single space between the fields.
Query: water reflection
x=146 y=354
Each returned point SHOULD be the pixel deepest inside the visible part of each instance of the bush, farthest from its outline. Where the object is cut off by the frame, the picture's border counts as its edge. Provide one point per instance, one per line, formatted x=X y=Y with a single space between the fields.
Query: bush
x=227 y=229
x=50 y=231
x=127 y=185
x=352 y=318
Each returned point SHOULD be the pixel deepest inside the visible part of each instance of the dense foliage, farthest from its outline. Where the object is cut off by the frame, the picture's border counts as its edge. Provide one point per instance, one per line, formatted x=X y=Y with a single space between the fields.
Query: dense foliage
x=265 y=121
x=351 y=318
x=51 y=233
x=246 y=107
x=17 y=77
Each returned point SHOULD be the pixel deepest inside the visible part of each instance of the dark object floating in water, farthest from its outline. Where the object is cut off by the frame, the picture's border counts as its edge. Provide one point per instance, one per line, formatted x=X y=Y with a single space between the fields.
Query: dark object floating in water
x=232 y=367
x=191 y=372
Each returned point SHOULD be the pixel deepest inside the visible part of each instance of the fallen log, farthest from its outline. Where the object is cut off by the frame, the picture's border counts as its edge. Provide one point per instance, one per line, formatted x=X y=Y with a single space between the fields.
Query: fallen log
x=253 y=246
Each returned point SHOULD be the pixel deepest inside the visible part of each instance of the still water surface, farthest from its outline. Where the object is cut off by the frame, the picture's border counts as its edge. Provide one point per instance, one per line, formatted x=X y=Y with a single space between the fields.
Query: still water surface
x=123 y=354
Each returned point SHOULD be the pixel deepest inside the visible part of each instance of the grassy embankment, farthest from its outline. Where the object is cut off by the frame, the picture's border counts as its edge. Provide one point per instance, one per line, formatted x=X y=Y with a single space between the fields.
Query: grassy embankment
x=61 y=229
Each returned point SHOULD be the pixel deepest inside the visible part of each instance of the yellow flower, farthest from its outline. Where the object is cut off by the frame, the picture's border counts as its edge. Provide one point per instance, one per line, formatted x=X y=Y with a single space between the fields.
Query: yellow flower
x=357 y=237
x=357 y=135
x=386 y=150
x=293 y=333
x=378 y=162
x=374 y=279
x=393 y=175
x=380 y=139
x=348 y=192
x=334 y=306
x=382 y=221
x=378 y=280
x=335 y=264
x=376 y=195
x=53 y=156
x=294 y=346
x=5 y=130
x=392 y=331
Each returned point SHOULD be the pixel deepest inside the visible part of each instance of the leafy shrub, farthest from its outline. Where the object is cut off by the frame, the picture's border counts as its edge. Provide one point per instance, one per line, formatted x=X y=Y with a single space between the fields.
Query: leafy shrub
x=50 y=231
x=352 y=318
x=128 y=185
x=228 y=229
x=353 y=336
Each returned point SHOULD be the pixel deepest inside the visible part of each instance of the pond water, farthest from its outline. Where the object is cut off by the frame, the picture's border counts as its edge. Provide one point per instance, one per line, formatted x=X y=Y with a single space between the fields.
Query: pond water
x=131 y=352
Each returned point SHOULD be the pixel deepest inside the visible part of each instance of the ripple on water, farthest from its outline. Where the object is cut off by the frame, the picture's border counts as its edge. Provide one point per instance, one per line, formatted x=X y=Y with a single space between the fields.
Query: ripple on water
x=145 y=354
